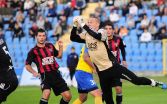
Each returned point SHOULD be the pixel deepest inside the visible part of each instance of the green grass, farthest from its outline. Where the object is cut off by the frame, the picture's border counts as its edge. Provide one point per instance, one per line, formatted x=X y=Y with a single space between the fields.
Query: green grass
x=132 y=94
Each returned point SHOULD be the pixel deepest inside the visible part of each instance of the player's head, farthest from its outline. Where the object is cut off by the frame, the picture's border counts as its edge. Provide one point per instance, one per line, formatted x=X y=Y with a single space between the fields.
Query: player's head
x=41 y=36
x=94 y=22
x=109 y=28
x=72 y=49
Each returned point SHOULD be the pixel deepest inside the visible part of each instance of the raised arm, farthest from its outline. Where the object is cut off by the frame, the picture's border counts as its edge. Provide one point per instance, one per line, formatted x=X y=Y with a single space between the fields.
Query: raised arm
x=74 y=37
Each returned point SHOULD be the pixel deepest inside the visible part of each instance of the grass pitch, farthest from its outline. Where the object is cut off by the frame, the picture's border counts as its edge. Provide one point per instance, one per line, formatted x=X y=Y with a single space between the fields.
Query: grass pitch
x=132 y=94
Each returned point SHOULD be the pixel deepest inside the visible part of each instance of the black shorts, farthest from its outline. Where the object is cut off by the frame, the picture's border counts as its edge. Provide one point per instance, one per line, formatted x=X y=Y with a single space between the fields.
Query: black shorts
x=8 y=83
x=53 y=80
x=116 y=82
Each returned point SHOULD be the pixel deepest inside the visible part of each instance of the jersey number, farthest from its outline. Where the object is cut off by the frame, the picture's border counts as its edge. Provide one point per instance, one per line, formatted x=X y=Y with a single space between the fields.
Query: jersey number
x=92 y=82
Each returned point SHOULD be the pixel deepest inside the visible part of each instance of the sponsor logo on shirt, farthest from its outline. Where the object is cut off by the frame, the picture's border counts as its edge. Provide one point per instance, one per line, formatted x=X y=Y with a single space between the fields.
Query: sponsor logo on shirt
x=48 y=60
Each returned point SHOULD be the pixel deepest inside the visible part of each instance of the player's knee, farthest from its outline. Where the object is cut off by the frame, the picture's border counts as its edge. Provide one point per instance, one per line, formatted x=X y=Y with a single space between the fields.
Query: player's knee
x=67 y=96
x=83 y=98
x=118 y=90
x=46 y=94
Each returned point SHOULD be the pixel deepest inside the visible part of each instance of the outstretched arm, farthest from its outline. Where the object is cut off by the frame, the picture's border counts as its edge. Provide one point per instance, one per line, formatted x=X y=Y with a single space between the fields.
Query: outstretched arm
x=96 y=35
x=74 y=37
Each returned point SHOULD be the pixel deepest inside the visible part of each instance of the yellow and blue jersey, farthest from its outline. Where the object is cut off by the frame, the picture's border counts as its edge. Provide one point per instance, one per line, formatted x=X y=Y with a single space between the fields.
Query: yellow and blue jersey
x=84 y=75
x=82 y=65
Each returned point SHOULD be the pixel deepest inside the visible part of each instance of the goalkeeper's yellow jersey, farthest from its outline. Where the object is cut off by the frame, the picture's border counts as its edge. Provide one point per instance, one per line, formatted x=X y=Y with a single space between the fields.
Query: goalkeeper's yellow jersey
x=82 y=65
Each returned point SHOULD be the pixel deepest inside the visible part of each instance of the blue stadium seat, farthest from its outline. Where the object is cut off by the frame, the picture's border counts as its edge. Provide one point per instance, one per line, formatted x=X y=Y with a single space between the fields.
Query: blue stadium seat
x=50 y=19
x=151 y=52
x=164 y=19
x=120 y=12
x=134 y=38
x=76 y=12
x=158 y=18
x=158 y=66
x=135 y=45
x=69 y=21
x=149 y=13
x=23 y=40
x=107 y=12
x=59 y=8
x=151 y=66
x=150 y=45
x=154 y=11
x=54 y=22
x=144 y=66
x=8 y=34
x=126 y=39
x=50 y=33
x=9 y=41
x=16 y=41
x=31 y=41
x=144 y=52
x=143 y=46
x=158 y=45
x=150 y=58
x=136 y=52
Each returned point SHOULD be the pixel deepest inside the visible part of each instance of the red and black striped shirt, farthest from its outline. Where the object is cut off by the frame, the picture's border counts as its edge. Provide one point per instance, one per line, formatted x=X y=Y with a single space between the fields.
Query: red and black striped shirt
x=43 y=57
x=115 y=45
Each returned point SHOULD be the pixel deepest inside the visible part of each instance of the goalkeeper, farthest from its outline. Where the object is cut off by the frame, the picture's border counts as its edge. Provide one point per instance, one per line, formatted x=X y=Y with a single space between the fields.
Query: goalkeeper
x=105 y=62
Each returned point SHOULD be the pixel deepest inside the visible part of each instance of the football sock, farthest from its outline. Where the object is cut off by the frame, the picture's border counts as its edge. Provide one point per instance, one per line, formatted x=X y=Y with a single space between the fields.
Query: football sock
x=63 y=102
x=98 y=100
x=119 y=98
x=77 y=101
x=43 y=101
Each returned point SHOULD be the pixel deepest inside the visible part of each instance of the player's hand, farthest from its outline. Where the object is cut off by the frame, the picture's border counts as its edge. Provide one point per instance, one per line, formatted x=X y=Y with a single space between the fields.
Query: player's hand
x=35 y=74
x=80 y=20
x=124 y=64
x=60 y=43
x=75 y=22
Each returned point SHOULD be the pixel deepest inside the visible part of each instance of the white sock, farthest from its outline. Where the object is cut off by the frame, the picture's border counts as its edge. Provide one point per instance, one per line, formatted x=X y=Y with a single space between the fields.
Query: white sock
x=153 y=83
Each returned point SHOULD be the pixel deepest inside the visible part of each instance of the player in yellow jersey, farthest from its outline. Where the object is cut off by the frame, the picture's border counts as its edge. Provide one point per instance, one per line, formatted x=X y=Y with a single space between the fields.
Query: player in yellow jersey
x=84 y=79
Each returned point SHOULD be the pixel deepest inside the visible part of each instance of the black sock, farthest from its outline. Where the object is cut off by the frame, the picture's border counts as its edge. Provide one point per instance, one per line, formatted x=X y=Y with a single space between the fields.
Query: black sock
x=63 y=102
x=43 y=101
x=119 y=98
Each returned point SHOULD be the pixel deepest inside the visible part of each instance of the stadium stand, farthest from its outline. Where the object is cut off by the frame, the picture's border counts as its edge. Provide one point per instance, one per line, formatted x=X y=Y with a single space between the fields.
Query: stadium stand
x=140 y=56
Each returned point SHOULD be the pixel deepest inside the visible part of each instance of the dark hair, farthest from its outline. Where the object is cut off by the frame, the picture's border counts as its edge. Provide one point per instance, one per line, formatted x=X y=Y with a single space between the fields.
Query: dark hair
x=108 y=23
x=73 y=47
x=40 y=30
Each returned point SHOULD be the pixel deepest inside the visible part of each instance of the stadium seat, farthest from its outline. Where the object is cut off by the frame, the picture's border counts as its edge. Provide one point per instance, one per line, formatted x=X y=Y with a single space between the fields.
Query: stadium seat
x=59 y=8
x=136 y=52
x=50 y=33
x=69 y=21
x=164 y=19
x=155 y=11
x=76 y=12
x=149 y=13
x=158 y=66
x=8 y=34
x=23 y=40
x=50 y=19
x=150 y=45
x=158 y=18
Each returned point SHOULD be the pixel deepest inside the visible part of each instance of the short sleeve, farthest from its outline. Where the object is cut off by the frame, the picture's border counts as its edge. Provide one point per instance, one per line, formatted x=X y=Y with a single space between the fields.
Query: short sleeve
x=30 y=57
